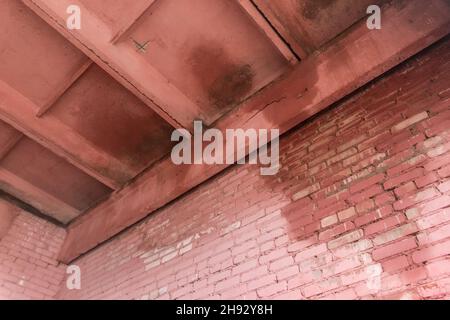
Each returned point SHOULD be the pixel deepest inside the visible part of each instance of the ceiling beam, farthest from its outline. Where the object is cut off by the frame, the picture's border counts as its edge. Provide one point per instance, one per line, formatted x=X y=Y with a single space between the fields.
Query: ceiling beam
x=317 y=82
x=98 y=42
x=253 y=12
x=13 y=140
x=36 y=197
x=10 y=199
x=131 y=20
x=304 y=49
x=20 y=113
x=63 y=87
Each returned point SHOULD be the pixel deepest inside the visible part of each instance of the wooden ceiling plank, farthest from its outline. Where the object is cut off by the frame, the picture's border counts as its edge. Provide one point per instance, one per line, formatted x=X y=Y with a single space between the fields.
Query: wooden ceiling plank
x=314 y=84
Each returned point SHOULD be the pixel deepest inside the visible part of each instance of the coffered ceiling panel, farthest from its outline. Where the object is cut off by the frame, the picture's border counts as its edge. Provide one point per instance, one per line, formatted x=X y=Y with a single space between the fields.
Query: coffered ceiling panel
x=35 y=59
x=309 y=24
x=210 y=50
x=113 y=119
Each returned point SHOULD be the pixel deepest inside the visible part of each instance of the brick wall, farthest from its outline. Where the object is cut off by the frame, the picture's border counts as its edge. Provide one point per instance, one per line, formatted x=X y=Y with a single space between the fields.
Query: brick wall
x=360 y=209
x=357 y=210
x=28 y=250
x=7 y=215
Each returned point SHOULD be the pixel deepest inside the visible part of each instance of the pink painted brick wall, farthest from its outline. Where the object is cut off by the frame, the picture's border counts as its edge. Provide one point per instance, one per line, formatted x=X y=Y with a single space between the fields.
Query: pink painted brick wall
x=360 y=210
x=28 y=250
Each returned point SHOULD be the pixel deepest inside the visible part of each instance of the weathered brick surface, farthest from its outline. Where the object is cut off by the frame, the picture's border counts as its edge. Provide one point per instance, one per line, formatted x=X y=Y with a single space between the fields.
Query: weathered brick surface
x=359 y=210
x=28 y=251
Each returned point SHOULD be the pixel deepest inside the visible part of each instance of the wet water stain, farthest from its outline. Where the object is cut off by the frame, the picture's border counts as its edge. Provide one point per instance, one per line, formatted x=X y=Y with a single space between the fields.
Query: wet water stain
x=225 y=82
x=231 y=87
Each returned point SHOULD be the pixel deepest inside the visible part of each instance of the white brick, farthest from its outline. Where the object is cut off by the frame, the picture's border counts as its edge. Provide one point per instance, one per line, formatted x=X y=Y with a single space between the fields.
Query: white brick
x=410 y=121
x=328 y=221
x=305 y=192
x=347 y=213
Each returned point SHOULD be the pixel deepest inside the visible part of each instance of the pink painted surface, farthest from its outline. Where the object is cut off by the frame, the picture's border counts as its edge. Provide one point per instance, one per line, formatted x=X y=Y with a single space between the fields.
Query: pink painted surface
x=28 y=268
x=210 y=50
x=331 y=225
x=117 y=14
x=8 y=213
x=114 y=120
x=166 y=92
x=93 y=127
x=35 y=58
x=307 y=25
x=312 y=86
x=8 y=138
x=360 y=210
x=18 y=111
x=43 y=169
